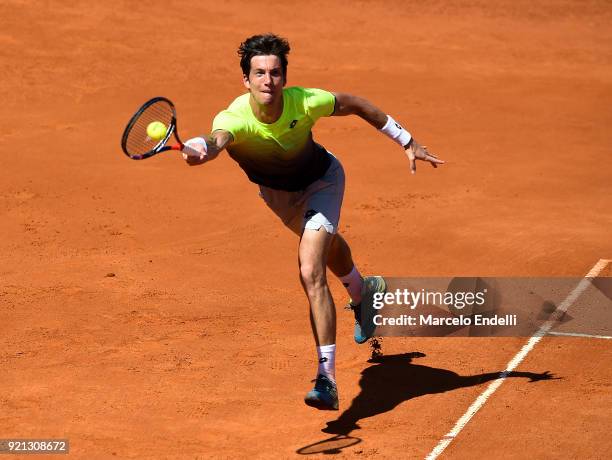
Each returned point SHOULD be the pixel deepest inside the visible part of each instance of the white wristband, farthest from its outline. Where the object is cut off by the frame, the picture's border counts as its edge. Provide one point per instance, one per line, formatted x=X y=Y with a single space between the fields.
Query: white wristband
x=394 y=131
x=191 y=151
x=197 y=141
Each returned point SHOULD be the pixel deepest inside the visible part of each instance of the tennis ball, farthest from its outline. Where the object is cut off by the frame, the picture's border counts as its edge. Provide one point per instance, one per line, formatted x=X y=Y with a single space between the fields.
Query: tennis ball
x=156 y=130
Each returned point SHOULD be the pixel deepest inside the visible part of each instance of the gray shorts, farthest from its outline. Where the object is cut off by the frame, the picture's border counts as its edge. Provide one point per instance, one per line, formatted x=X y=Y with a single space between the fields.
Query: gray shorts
x=315 y=207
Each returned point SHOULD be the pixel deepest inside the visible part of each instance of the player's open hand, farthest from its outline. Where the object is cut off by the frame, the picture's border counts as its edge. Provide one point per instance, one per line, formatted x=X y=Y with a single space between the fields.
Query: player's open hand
x=419 y=152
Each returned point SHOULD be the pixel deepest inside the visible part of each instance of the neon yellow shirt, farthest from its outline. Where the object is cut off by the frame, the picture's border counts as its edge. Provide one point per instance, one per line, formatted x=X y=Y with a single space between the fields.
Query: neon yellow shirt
x=280 y=155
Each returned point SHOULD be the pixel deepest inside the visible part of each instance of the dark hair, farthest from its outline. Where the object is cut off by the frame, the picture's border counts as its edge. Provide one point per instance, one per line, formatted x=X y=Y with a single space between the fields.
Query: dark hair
x=263 y=45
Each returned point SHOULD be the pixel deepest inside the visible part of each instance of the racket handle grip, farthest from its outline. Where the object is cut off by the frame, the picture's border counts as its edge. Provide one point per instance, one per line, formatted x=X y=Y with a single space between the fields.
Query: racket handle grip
x=189 y=151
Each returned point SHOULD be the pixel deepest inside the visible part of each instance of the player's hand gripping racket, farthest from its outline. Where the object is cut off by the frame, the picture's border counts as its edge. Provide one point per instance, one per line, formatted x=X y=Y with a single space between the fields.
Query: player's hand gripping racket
x=150 y=129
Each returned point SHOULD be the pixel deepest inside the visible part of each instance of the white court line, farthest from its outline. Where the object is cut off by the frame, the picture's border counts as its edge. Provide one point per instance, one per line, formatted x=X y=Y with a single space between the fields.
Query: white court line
x=577 y=334
x=514 y=362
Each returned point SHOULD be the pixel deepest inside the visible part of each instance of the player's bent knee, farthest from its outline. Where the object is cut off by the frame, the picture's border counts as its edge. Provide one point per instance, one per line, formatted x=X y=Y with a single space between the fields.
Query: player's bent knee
x=312 y=275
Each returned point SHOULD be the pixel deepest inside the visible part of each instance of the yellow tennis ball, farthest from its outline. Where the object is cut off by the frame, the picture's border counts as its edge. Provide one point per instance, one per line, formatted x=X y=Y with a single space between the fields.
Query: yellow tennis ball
x=156 y=130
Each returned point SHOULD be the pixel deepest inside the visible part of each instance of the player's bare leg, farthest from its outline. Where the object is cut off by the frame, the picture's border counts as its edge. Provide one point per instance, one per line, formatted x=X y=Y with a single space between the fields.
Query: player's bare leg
x=339 y=259
x=340 y=262
x=313 y=254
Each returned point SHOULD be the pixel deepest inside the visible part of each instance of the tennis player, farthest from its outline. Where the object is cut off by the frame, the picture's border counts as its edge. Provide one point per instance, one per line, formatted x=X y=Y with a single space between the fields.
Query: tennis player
x=268 y=132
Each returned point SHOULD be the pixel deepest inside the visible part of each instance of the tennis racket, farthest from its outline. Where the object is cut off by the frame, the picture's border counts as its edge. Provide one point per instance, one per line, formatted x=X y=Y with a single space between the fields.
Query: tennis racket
x=135 y=142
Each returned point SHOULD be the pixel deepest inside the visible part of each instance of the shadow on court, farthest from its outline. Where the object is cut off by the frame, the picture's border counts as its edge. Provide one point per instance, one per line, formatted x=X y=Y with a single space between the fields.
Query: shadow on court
x=392 y=380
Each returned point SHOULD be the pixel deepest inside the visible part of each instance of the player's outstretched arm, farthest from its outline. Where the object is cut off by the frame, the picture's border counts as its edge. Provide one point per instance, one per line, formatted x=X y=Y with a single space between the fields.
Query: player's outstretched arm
x=207 y=149
x=348 y=104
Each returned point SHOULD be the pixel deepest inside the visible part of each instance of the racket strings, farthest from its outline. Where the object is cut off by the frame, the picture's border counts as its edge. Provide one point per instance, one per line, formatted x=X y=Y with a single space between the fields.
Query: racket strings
x=137 y=142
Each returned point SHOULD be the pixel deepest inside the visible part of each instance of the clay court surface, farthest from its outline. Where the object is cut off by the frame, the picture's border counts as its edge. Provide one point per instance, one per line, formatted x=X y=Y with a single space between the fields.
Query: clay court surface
x=199 y=346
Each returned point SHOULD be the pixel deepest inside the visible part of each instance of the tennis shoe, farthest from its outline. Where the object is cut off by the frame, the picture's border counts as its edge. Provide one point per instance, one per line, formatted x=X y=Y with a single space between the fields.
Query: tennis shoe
x=324 y=395
x=364 y=312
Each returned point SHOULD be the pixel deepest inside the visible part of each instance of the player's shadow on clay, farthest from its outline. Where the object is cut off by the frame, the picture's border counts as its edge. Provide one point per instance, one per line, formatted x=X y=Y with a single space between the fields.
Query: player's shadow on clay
x=394 y=379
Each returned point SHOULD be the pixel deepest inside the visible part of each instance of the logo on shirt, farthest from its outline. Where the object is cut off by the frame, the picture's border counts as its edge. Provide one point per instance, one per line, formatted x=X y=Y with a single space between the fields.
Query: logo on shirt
x=323 y=360
x=293 y=123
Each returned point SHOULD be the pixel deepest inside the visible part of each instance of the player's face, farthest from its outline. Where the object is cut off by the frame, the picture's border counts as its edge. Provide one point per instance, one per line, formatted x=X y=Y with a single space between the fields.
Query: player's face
x=265 y=80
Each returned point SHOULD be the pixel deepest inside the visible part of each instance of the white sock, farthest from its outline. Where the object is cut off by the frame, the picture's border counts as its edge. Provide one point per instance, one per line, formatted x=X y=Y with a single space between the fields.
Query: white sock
x=327 y=361
x=353 y=282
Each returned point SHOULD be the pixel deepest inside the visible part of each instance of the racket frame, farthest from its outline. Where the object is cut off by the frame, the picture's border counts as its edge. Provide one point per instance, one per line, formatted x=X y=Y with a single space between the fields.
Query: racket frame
x=161 y=145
